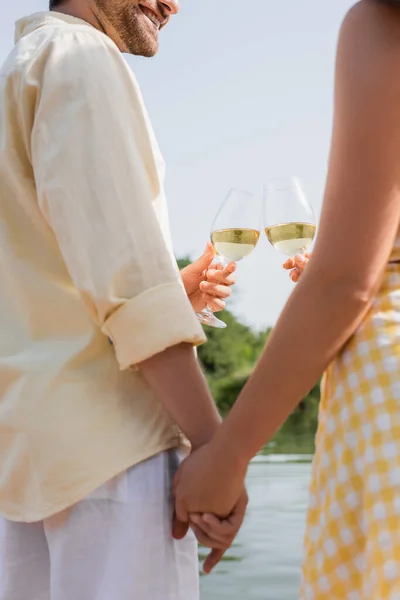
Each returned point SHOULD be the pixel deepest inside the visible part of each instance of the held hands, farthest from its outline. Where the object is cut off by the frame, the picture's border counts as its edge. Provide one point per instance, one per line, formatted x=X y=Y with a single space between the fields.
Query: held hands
x=218 y=534
x=207 y=284
x=210 y=483
x=209 y=486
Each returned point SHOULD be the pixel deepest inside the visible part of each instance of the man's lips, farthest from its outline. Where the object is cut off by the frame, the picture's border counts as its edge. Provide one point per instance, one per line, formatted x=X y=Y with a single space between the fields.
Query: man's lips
x=152 y=16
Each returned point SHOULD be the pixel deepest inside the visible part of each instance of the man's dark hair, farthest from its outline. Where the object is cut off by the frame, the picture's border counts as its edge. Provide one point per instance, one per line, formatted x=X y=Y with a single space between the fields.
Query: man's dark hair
x=54 y=3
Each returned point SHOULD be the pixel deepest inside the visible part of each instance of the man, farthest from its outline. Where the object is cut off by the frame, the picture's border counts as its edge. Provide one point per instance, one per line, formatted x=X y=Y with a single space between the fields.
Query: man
x=98 y=376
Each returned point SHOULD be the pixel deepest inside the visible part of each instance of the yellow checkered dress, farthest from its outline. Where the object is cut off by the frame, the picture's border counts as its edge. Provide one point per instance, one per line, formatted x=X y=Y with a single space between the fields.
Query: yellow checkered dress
x=353 y=532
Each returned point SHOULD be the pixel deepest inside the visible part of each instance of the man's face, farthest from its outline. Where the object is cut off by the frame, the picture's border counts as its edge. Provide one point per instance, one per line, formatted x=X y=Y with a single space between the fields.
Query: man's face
x=137 y=22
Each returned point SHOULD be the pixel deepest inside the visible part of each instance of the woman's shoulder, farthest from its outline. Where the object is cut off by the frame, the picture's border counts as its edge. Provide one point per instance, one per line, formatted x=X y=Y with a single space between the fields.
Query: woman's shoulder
x=373 y=16
x=369 y=41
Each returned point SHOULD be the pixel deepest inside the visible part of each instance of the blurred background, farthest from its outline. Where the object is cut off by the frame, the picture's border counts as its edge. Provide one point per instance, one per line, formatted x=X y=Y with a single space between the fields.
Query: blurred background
x=242 y=92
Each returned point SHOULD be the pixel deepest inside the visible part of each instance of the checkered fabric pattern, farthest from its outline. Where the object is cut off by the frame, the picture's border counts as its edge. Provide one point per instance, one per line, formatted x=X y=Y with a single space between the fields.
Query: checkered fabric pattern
x=352 y=542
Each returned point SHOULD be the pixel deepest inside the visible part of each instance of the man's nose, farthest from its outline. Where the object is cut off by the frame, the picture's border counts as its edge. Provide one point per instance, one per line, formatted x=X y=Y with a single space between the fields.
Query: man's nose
x=171 y=6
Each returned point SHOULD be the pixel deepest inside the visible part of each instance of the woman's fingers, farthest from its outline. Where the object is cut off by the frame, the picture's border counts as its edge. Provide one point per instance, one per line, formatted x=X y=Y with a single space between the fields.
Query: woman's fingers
x=300 y=262
x=295 y=275
x=289 y=264
x=296 y=266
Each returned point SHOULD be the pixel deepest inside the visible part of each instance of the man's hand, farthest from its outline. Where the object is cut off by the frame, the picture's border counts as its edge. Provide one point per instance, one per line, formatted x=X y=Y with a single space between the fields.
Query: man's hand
x=207 y=284
x=296 y=266
x=218 y=534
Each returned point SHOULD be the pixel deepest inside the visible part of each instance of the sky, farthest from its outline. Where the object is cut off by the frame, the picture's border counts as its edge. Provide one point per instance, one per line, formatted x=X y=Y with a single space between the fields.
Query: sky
x=240 y=92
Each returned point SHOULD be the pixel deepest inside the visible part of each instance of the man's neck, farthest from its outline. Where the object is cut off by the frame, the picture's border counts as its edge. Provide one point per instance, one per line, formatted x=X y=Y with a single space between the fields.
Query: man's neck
x=80 y=10
x=88 y=11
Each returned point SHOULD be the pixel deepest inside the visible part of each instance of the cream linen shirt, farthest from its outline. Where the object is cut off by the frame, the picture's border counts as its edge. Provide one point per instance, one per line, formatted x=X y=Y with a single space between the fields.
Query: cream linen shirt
x=85 y=255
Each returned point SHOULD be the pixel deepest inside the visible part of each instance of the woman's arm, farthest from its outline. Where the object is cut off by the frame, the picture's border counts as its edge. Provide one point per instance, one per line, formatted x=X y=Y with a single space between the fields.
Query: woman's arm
x=360 y=220
x=359 y=223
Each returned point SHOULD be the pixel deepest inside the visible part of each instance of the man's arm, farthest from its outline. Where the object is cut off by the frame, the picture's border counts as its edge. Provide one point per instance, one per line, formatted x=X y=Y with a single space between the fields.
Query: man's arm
x=176 y=377
x=98 y=185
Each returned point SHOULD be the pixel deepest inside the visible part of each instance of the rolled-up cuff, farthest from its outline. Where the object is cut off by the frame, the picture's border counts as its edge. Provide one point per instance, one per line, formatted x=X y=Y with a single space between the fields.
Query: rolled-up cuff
x=152 y=322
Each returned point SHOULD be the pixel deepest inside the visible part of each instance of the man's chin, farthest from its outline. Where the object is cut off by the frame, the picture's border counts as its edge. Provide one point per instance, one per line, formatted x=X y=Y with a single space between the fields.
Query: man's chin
x=145 y=43
x=149 y=53
x=147 y=50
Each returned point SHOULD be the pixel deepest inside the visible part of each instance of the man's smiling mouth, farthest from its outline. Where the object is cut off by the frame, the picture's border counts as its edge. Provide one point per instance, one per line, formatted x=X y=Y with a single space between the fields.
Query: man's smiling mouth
x=151 y=16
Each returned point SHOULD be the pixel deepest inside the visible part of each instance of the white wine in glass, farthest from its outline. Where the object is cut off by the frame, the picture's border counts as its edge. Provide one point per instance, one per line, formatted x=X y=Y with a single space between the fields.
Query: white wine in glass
x=291 y=238
x=234 y=244
x=234 y=234
x=288 y=217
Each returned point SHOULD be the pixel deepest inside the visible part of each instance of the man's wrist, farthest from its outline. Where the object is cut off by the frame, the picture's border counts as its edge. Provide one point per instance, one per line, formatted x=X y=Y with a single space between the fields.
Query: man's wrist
x=206 y=436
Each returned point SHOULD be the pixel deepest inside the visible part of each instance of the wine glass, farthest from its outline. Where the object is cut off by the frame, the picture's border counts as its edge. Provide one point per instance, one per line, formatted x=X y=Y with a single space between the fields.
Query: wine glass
x=289 y=220
x=234 y=234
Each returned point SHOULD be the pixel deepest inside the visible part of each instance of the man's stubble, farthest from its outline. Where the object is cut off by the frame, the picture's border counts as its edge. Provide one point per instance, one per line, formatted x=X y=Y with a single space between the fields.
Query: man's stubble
x=122 y=21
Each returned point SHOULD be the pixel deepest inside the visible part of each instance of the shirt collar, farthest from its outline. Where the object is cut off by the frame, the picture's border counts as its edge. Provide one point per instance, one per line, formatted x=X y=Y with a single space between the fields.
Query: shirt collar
x=27 y=25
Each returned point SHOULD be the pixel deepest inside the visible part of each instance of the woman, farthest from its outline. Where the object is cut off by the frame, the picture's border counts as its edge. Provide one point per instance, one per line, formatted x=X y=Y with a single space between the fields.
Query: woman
x=349 y=302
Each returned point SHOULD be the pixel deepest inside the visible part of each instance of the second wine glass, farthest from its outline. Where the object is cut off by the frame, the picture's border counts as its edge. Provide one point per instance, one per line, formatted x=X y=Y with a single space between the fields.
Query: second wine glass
x=234 y=234
x=288 y=217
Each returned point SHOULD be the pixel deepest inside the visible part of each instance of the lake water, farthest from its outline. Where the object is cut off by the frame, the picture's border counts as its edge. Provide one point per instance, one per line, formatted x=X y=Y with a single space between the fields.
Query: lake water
x=264 y=563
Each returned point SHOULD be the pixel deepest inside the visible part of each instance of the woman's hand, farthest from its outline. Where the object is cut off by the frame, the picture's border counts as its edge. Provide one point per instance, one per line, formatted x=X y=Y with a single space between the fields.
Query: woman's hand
x=296 y=266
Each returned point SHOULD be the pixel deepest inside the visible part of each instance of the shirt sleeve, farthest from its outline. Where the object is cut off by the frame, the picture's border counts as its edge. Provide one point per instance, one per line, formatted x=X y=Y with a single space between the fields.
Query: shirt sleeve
x=99 y=185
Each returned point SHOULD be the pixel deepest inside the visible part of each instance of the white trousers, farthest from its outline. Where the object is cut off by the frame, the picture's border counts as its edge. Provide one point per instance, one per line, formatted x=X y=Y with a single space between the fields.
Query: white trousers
x=114 y=545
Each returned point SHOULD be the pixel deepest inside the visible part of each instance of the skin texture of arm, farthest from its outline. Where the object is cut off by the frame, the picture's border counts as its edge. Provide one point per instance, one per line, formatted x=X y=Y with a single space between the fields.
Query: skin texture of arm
x=176 y=376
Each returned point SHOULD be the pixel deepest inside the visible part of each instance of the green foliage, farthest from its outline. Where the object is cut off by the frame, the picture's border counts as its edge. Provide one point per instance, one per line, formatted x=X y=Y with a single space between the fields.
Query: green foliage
x=183 y=262
x=228 y=359
x=231 y=351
